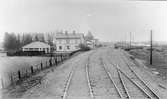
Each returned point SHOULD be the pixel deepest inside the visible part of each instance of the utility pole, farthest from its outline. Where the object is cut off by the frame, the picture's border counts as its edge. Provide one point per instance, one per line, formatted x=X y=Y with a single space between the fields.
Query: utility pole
x=130 y=39
x=151 y=48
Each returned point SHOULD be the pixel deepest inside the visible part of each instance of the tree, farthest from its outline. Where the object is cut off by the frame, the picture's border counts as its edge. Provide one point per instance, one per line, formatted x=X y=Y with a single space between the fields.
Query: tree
x=26 y=39
x=18 y=41
x=36 y=38
x=84 y=47
x=42 y=38
x=89 y=36
x=50 y=38
x=10 y=42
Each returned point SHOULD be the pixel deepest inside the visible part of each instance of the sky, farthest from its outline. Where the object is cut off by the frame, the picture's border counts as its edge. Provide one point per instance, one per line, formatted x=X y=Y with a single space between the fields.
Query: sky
x=108 y=20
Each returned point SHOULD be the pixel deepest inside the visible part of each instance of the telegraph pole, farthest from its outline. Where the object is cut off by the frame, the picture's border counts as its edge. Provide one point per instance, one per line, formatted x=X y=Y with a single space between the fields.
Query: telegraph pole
x=151 y=48
x=130 y=42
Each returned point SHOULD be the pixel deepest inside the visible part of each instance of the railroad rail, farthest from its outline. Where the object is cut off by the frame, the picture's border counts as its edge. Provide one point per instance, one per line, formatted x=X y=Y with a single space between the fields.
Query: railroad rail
x=147 y=89
x=126 y=91
x=88 y=81
x=124 y=82
x=68 y=83
x=69 y=79
x=88 y=77
x=136 y=81
x=111 y=79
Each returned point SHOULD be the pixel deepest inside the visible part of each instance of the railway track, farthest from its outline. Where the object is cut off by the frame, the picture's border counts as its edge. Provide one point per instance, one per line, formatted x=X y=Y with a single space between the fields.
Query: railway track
x=134 y=86
x=69 y=80
x=118 y=82
x=67 y=85
x=126 y=84
x=134 y=89
x=104 y=88
x=131 y=76
x=111 y=79
x=144 y=85
x=88 y=80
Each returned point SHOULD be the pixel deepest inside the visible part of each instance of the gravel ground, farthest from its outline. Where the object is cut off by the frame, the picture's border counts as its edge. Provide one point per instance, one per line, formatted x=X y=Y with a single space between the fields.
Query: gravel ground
x=53 y=84
x=103 y=88
x=78 y=82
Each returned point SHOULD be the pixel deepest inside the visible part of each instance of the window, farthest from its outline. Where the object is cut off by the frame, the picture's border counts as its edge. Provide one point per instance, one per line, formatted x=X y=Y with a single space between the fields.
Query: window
x=67 y=41
x=64 y=41
x=36 y=49
x=68 y=47
x=76 y=47
x=79 y=41
x=72 y=41
x=60 y=41
x=25 y=49
x=60 y=47
x=30 y=49
x=76 y=41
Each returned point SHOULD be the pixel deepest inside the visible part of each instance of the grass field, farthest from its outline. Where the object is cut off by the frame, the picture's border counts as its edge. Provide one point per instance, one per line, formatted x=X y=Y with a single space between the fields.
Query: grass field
x=12 y=64
x=159 y=65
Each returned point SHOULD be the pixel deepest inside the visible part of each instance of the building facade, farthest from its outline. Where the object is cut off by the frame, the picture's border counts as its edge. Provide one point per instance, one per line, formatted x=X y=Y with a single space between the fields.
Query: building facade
x=91 y=41
x=37 y=46
x=68 y=42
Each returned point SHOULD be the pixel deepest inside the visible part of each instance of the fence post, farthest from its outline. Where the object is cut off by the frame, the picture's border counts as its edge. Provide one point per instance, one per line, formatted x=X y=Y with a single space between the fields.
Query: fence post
x=36 y=68
x=61 y=58
x=19 y=74
x=27 y=73
x=50 y=62
x=55 y=61
x=2 y=83
x=46 y=63
x=32 y=71
x=65 y=56
x=41 y=66
x=11 y=78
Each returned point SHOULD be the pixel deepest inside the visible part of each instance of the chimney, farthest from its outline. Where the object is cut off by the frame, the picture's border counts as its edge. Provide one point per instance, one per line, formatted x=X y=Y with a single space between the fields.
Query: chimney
x=74 y=32
x=66 y=32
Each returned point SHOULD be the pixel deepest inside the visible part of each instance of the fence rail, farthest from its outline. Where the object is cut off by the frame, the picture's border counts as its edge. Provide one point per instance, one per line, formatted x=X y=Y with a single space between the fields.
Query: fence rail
x=14 y=78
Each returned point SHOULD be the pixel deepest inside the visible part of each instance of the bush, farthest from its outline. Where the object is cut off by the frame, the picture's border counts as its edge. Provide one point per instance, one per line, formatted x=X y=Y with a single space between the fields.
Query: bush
x=84 y=47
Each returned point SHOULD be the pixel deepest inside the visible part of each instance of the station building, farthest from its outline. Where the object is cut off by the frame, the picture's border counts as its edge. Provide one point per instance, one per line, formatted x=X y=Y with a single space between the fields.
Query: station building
x=37 y=46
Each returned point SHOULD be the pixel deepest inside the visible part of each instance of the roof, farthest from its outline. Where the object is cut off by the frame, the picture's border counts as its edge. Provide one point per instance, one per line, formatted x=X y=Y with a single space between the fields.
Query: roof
x=36 y=45
x=69 y=35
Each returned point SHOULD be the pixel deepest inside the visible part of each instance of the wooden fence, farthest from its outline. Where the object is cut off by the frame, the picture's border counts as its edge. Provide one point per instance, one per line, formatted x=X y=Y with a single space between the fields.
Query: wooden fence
x=14 y=78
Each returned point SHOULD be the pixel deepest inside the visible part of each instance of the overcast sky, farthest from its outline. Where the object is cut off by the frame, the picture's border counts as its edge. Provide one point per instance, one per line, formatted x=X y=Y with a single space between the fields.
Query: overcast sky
x=109 y=20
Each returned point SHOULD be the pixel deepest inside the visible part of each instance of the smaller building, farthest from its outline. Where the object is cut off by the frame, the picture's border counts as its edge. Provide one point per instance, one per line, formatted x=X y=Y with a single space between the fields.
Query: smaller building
x=92 y=43
x=37 y=46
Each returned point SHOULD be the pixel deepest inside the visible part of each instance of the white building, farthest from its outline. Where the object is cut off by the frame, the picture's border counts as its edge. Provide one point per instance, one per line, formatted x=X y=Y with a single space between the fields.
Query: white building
x=91 y=41
x=68 y=42
x=37 y=46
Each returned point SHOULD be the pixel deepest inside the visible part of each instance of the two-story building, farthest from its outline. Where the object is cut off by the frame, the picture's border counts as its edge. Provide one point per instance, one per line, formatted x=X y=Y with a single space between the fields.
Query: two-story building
x=68 y=42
